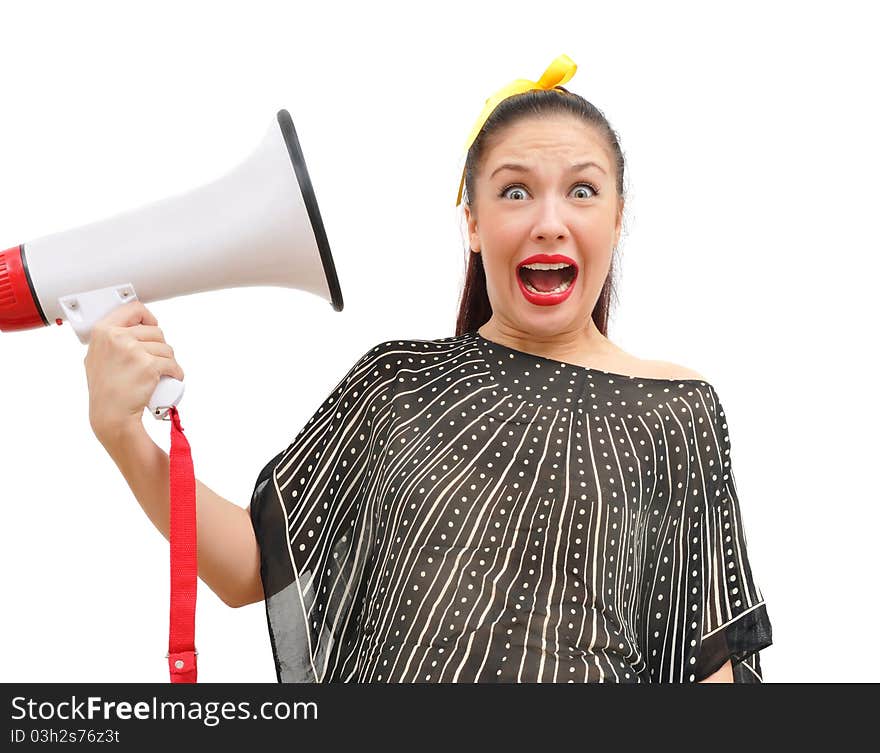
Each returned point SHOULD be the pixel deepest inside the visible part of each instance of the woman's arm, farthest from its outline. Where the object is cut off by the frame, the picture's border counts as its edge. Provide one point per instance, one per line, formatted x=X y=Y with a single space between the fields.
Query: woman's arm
x=723 y=674
x=227 y=550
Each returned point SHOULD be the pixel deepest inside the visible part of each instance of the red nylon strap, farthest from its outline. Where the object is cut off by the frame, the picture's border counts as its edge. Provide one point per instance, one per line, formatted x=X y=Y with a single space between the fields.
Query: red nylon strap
x=184 y=559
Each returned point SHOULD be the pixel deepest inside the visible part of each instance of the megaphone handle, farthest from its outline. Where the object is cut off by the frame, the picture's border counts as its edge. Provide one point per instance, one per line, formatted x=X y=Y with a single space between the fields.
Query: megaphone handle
x=84 y=309
x=168 y=393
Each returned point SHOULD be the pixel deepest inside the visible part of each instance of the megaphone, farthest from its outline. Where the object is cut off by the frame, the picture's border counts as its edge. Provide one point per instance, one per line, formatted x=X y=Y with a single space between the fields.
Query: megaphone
x=258 y=225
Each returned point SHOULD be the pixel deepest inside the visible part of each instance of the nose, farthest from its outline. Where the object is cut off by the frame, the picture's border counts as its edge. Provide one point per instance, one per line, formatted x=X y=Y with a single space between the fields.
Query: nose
x=549 y=223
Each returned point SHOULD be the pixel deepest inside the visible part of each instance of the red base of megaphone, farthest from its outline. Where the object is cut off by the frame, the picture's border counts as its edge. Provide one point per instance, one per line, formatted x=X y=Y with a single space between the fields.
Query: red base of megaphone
x=18 y=304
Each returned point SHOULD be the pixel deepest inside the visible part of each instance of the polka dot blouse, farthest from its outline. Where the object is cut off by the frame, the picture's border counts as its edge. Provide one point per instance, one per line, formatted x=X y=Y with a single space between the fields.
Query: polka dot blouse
x=460 y=511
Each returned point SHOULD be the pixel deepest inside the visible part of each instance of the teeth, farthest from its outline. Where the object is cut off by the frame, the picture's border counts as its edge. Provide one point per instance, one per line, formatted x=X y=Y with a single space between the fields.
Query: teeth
x=540 y=265
x=557 y=289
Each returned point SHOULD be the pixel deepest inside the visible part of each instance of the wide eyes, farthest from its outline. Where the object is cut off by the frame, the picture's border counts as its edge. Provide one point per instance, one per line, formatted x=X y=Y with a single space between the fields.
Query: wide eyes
x=577 y=187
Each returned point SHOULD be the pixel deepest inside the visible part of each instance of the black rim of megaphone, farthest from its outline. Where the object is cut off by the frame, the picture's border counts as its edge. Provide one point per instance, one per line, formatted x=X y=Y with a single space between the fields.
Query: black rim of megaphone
x=308 y=194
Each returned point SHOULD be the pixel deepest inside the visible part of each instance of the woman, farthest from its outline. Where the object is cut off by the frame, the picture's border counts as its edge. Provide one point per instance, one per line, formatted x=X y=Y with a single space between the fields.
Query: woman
x=521 y=502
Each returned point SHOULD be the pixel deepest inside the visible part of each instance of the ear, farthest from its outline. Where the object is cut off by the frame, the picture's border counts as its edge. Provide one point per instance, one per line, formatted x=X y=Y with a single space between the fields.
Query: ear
x=473 y=235
x=618 y=222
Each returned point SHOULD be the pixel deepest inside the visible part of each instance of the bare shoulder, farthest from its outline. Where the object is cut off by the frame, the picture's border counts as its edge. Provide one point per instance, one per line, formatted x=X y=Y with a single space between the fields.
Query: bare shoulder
x=627 y=363
x=669 y=370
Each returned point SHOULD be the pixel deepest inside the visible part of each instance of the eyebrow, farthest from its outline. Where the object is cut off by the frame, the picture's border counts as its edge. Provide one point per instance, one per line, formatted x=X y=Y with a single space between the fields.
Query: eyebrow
x=524 y=169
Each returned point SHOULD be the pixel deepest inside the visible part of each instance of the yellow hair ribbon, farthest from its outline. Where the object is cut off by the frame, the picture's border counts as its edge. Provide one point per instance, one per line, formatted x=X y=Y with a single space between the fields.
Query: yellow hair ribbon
x=559 y=72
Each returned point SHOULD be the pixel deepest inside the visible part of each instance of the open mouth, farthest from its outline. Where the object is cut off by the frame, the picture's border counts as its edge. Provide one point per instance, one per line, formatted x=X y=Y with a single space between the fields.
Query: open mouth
x=547 y=279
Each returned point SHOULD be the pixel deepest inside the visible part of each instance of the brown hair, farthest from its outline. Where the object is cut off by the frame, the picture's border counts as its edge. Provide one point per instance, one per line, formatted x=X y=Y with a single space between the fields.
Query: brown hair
x=474 y=308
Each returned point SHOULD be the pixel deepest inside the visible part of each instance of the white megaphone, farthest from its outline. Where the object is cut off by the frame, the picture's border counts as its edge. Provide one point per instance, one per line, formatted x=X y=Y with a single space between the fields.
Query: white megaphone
x=258 y=225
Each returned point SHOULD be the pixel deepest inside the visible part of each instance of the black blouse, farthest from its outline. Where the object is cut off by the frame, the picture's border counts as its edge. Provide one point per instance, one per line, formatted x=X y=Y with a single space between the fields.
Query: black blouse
x=460 y=511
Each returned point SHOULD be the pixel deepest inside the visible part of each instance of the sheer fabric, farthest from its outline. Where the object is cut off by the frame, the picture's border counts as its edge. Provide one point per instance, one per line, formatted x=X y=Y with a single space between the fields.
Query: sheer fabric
x=460 y=511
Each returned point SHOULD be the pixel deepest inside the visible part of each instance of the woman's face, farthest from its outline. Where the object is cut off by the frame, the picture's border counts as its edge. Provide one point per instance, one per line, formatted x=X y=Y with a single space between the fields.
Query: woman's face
x=548 y=208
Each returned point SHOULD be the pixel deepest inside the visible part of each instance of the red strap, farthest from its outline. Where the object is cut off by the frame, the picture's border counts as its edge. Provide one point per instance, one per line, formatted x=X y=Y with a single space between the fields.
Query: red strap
x=184 y=560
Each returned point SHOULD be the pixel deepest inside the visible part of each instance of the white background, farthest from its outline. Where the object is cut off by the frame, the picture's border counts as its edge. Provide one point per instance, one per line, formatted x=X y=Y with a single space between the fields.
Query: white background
x=749 y=246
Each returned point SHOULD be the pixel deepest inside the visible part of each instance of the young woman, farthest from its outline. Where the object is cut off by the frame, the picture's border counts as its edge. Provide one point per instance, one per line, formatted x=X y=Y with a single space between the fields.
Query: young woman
x=523 y=501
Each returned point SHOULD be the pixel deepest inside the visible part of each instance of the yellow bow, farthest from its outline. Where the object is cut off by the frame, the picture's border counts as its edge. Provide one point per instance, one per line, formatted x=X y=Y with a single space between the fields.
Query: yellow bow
x=559 y=72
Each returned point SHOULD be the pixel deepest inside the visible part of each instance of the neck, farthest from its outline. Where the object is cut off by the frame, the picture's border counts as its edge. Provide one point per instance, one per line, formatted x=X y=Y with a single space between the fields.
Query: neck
x=568 y=345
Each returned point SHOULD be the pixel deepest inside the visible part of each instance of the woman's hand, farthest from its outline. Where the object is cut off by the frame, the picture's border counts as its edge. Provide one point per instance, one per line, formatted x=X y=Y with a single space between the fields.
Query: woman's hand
x=127 y=356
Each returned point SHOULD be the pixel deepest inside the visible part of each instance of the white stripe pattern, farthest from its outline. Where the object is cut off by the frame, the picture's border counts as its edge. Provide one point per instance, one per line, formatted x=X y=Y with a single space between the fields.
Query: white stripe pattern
x=460 y=511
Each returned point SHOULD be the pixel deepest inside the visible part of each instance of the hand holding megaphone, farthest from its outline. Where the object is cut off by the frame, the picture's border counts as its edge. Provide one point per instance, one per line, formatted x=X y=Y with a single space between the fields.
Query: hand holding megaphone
x=127 y=360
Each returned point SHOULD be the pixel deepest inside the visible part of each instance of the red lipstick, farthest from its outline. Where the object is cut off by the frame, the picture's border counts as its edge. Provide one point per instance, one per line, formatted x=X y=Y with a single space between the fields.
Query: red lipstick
x=547 y=299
